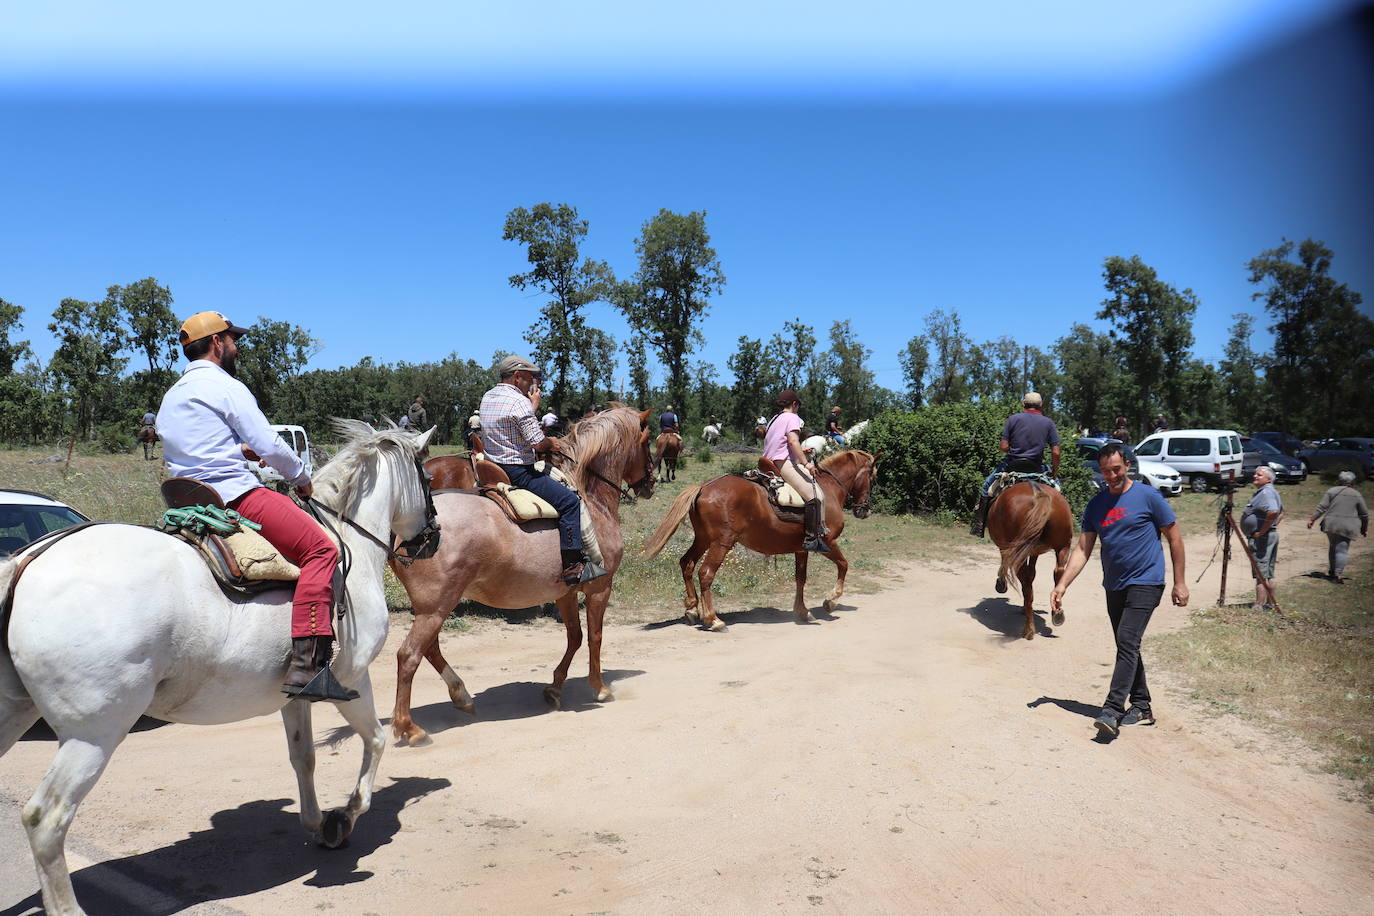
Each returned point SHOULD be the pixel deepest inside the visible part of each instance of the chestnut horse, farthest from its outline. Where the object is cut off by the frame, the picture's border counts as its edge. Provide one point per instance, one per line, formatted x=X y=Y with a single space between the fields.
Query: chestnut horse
x=666 y=450
x=486 y=557
x=1026 y=520
x=148 y=437
x=729 y=510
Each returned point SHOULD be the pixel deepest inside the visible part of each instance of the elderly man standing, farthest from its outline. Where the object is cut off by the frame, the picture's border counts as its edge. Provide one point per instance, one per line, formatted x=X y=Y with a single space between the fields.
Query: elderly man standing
x=1343 y=512
x=1260 y=522
x=512 y=435
x=1129 y=520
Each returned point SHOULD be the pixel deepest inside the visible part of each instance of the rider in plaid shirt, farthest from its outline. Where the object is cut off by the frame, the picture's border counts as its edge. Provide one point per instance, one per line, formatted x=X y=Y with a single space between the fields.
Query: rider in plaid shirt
x=512 y=435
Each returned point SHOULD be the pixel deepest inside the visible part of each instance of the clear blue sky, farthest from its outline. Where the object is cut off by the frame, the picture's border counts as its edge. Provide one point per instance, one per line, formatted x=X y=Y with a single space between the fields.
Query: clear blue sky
x=349 y=170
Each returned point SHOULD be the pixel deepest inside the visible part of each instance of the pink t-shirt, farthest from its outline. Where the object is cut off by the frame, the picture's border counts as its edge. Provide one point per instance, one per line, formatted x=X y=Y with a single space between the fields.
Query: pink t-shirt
x=775 y=440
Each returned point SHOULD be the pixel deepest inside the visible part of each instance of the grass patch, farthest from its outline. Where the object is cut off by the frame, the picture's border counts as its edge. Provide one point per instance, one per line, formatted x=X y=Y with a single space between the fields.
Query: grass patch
x=1309 y=672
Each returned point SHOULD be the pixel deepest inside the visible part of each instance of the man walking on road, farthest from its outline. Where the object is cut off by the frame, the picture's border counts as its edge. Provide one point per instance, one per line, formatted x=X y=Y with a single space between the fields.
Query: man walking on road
x=1130 y=520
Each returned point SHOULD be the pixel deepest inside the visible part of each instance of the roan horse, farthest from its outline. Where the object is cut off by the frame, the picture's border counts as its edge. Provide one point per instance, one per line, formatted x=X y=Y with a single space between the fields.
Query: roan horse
x=486 y=557
x=666 y=449
x=729 y=510
x=116 y=620
x=1026 y=520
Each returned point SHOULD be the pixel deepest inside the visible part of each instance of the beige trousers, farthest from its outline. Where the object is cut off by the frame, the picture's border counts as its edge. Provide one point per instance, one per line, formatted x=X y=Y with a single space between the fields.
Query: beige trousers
x=801 y=480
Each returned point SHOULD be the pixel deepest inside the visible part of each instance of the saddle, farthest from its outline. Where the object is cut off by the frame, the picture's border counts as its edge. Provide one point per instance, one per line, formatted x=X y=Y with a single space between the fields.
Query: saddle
x=785 y=501
x=524 y=506
x=244 y=561
x=1009 y=478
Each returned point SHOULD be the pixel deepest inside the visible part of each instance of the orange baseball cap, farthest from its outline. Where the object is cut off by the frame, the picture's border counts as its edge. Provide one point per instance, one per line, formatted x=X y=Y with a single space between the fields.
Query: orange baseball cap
x=203 y=324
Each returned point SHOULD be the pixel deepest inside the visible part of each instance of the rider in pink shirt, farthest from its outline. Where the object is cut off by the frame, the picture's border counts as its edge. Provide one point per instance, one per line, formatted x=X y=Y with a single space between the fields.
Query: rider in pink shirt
x=782 y=446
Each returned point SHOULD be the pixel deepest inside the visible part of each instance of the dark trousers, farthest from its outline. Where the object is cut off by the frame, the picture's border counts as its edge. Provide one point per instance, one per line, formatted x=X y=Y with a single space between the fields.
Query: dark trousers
x=567 y=503
x=1130 y=610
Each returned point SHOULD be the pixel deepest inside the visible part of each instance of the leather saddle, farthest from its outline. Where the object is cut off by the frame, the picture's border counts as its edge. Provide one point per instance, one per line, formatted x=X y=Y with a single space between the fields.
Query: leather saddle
x=1010 y=478
x=785 y=500
x=244 y=561
x=521 y=506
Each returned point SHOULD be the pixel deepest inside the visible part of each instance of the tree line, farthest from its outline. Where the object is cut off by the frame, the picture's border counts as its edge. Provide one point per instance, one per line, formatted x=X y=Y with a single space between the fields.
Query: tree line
x=116 y=356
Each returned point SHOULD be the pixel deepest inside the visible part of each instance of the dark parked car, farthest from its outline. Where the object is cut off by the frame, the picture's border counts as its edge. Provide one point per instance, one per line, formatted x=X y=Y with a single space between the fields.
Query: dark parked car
x=1355 y=452
x=1286 y=468
x=26 y=516
x=1089 y=446
x=1284 y=442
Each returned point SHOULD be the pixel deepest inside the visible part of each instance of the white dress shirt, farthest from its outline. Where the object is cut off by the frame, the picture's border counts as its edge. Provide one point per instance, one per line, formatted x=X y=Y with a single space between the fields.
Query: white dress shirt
x=205 y=418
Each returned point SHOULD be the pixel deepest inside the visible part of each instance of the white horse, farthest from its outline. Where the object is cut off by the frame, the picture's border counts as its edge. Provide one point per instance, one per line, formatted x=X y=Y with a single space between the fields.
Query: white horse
x=711 y=433
x=116 y=621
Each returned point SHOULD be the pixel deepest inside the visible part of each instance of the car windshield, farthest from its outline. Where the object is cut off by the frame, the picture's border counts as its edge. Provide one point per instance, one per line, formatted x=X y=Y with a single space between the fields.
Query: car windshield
x=21 y=524
x=1264 y=448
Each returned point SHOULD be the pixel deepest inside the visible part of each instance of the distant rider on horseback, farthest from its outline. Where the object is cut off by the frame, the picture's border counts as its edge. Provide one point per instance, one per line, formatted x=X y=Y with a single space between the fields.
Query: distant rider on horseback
x=511 y=435
x=782 y=446
x=832 y=428
x=668 y=421
x=211 y=430
x=1025 y=436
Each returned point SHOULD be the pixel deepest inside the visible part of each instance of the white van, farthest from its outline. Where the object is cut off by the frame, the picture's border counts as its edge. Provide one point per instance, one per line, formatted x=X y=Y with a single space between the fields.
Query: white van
x=295 y=437
x=1205 y=458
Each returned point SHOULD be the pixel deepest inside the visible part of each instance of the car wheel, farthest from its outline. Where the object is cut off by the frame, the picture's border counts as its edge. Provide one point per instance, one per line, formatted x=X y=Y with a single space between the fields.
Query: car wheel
x=1306 y=468
x=1198 y=483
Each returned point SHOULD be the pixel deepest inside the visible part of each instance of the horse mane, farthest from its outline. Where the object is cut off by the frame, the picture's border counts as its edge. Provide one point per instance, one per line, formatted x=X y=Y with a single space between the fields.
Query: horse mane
x=343 y=477
x=842 y=457
x=592 y=440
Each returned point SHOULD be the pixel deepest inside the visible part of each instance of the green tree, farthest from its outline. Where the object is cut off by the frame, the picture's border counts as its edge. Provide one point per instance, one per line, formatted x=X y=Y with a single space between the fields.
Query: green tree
x=86 y=364
x=915 y=360
x=856 y=392
x=595 y=350
x=669 y=294
x=1089 y=366
x=638 y=360
x=1323 y=345
x=11 y=351
x=950 y=348
x=152 y=332
x=272 y=353
x=755 y=379
x=553 y=236
x=1241 y=378
x=1152 y=326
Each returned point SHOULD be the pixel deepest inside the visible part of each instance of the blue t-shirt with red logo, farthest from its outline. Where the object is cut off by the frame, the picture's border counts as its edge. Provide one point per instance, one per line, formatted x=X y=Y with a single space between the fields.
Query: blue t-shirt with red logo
x=1128 y=527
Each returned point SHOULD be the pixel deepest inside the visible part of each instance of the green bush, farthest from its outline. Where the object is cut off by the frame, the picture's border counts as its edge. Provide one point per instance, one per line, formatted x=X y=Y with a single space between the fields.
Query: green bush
x=703 y=454
x=934 y=460
x=114 y=438
x=1330 y=475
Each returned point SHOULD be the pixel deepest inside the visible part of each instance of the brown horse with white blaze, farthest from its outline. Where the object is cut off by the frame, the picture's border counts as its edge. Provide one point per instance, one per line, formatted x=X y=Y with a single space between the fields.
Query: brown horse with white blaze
x=1025 y=520
x=730 y=510
x=488 y=558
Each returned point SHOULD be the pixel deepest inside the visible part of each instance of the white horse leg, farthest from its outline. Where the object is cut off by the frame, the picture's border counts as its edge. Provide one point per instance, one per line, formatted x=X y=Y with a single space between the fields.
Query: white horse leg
x=362 y=715
x=300 y=745
x=49 y=813
x=16 y=715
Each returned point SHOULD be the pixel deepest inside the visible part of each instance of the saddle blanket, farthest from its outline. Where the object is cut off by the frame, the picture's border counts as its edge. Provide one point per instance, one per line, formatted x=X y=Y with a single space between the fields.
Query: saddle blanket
x=779 y=490
x=528 y=507
x=1009 y=478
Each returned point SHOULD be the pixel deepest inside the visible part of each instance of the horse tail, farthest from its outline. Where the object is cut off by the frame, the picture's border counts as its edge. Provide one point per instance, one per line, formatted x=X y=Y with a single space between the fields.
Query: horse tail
x=1023 y=545
x=676 y=513
x=9 y=678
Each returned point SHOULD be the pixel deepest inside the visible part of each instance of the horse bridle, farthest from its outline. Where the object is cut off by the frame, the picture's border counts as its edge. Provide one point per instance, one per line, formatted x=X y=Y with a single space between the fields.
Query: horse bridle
x=420 y=547
x=849 y=500
x=626 y=494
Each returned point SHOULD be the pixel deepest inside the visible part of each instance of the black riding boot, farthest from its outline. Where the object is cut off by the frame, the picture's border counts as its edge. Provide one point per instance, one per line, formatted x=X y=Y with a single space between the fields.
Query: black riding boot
x=309 y=676
x=980 y=517
x=815 y=526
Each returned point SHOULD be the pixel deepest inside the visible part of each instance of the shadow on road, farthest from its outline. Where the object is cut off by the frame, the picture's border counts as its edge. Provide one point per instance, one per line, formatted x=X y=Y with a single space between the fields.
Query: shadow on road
x=1073 y=706
x=1005 y=618
x=757 y=615
x=42 y=731
x=252 y=848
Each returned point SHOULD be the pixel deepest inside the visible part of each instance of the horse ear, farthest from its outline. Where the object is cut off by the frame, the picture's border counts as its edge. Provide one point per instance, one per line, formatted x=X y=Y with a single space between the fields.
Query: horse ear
x=877 y=456
x=422 y=441
x=644 y=435
x=644 y=417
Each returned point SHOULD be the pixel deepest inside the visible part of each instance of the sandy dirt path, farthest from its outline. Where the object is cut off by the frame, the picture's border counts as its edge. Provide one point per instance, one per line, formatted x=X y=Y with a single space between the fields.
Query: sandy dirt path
x=909 y=754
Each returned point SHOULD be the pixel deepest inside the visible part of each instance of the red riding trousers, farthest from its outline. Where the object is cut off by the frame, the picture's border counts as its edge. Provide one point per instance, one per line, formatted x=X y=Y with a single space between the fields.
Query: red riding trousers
x=302 y=541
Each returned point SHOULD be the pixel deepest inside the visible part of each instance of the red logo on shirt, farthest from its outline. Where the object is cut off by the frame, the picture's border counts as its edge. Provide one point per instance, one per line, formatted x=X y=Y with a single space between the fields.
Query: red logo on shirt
x=1114 y=515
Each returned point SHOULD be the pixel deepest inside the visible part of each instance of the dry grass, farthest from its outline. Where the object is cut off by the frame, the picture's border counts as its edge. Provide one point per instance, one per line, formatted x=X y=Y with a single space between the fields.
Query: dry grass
x=1309 y=671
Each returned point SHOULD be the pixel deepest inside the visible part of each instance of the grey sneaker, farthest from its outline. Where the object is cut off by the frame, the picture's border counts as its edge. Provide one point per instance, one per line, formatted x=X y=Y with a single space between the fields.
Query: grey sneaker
x=1137 y=716
x=1108 y=723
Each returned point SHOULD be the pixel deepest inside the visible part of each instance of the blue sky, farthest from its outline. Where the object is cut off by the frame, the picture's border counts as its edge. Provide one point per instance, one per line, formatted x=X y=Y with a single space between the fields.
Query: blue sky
x=351 y=174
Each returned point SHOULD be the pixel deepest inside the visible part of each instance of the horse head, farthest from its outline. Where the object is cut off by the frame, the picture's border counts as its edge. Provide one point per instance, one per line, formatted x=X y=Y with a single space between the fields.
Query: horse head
x=398 y=454
x=613 y=448
x=854 y=469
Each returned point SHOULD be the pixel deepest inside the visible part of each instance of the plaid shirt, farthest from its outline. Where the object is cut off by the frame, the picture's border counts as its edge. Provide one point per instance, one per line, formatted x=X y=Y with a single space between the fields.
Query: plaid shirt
x=509 y=426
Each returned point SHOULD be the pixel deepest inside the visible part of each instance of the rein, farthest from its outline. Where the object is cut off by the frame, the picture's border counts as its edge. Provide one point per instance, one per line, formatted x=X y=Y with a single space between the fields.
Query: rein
x=421 y=546
x=626 y=494
x=844 y=488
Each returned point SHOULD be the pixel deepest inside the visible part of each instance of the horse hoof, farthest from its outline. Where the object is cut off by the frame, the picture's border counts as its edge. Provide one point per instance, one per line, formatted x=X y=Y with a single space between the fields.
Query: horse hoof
x=1057 y=618
x=336 y=829
x=1001 y=587
x=717 y=626
x=691 y=616
x=418 y=738
x=469 y=708
x=554 y=697
x=804 y=616
x=604 y=695
x=829 y=605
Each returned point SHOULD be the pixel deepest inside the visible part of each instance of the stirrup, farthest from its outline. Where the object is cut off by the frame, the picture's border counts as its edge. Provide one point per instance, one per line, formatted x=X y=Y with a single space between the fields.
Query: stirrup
x=323 y=686
x=816 y=545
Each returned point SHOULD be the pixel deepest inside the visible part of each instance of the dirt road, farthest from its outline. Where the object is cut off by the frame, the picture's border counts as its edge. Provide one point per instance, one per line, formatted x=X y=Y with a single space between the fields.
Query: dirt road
x=908 y=754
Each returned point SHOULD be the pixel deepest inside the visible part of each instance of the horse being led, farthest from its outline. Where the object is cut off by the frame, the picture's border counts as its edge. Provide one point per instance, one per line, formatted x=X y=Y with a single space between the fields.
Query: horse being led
x=115 y=621
x=488 y=558
x=666 y=450
x=1024 y=521
x=729 y=510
